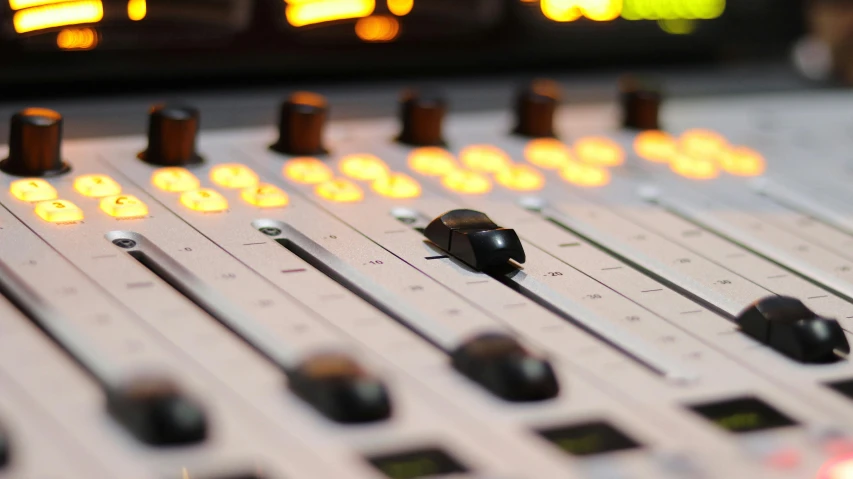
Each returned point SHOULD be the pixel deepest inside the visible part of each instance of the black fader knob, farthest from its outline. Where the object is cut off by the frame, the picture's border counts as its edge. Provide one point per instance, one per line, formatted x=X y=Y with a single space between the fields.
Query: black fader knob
x=476 y=240
x=788 y=326
x=640 y=104
x=300 y=125
x=157 y=413
x=535 y=106
x=172 y=132
x=422 y=117
x=504 y=367
x=340 y=389
x=35 y=144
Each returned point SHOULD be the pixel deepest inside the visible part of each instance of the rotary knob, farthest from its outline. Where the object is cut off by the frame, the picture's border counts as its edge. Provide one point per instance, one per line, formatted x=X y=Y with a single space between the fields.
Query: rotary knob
x=35 y=141
x=301 y=123
x=640 y=104
x=535 y=106
x=422 y=116
x=172 y=132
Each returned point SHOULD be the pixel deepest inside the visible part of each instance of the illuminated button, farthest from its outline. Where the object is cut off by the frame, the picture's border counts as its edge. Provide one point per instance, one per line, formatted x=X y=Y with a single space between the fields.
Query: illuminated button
x=33 y=189
x=309 y=171
x=703 y=144
x=694 y=168
x=656 y=146
x=340 y=190
x=233 y=176
x=599 y=151
x=582 y=174
x=174 y=179
x=520 y=178
x=124 y=206
x=466 y=181
x=59 y=211
x=265 y=196
x=742 y=162
x=205 y=200
x=363 y=167
x=432 y=161
x=397 y=185
x=548 y=153
x=96 y=186
x=485 y=158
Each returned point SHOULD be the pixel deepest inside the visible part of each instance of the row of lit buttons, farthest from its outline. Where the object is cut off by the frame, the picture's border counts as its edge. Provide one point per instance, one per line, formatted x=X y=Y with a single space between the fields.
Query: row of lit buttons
x=361 y=167
x=232 y=176
x=585 y=165
x=50 y=208
x=698 y=154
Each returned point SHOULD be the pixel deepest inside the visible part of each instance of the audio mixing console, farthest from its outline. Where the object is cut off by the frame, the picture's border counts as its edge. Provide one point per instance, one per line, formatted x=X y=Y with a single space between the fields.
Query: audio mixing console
x=611 y=291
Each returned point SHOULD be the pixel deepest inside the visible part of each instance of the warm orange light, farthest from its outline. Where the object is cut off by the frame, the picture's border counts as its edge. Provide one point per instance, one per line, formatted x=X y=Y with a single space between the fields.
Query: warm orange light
x=301 y=12
x=432 y=161
x=33 y=189
x=77 y=39
x=57 y=15
x=702 y=144
x=204 y=200
x=656 y=146
x=174 y=179
x=561 y=10
x=839 y=468
x=466 y=181
x=19 y=4
x=548 y=153
x=485 y=158
x=571 y=10
x=742 y=161
x=520 y=178
x=58 y=211
x=124 y=206
x=233 y=175
x=137 y=9
x=309 y=171
x=377 y=28
x=339 y=190
x=582 y=174
x=694 y=168
x=397 y=185
x=265 y=196
x=599 y=151
x=96 y=186
x=363 y=167
x=401 y=7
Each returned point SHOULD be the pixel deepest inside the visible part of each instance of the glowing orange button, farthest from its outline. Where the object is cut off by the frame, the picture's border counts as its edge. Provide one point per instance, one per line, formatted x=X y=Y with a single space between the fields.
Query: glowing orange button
x=486 y=158
x=96 y=186
x=466 y=181
x=521 y=178
x=432 y=161
x=174 y=179
x=656 y=146
x=33 y=189
x=340 y=190
x=233 y=175
x=695 y=168
x=581 y=174
x=548 y=153
x=704 y=144
x=599 y=151
x=204 y=200
x=265 y=196
x=124 y=206
x=309 y=171
x=58 y=211
x=363 y=167
x=397 y=185
x=742 y=161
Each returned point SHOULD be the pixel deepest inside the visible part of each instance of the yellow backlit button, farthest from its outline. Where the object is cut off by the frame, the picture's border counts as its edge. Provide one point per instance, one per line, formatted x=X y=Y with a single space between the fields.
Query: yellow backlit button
x=397 y=185
x=656 y=146
x=695 y=168
x=703 y=144
x=33 y=189
x=124 y=206
x=599 y=151
x=265 y=196
x=233 y=175
x=432 y=161
x=520 y=178
x=486 y=158
x=310 y=171
x=363 y=167
x=581 y=174
x=466 y=181
x=340 y=190
x=58 y=211
x=204 y=200
x=96 y=186
x=174 y=179
x=742 y=161
x=548 y=153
